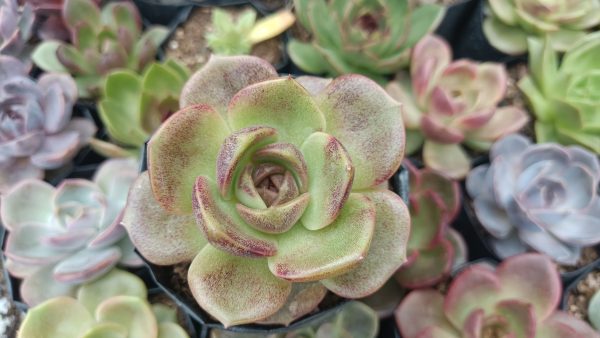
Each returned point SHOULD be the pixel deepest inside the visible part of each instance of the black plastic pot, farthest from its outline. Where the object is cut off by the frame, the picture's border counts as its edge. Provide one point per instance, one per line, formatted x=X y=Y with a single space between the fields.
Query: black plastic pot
x=470 y=42
x=266 y=7
x=454 y=18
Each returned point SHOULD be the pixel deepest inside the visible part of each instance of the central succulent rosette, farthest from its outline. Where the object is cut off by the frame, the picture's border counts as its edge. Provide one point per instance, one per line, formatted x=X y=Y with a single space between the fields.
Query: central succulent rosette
x=286 y=179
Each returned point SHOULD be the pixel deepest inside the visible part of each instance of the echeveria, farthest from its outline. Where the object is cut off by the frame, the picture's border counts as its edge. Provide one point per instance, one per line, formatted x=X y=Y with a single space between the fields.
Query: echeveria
x=101 y=41
x=517 y=299
x=448 y=103
x=114 y=305
x=433 y=247
x=510 y=22
x=62 y=237
x=133 y=106
x=372 y=38
x=49 y=21
x=36 y=129
x=565 y=99
x=15 y=28
x=539 y=196
x=298 y=198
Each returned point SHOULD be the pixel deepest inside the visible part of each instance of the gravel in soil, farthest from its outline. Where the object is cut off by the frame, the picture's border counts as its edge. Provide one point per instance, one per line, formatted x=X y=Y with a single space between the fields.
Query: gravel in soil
x=188 y=44
x=588 y=255
x=514 y=97
x=580 y=295
x=10 y=315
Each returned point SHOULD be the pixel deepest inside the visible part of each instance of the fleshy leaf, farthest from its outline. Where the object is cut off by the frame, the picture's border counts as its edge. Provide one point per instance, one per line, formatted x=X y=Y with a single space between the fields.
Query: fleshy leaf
x=57 y=318
x=28 y=192
x=330 y=251
x=285 y=154
x=277 y=218
x=114 y=283
x=420 y=310
x=130 y=312
x=450 y=159
x=246 y=291
x=303 y=299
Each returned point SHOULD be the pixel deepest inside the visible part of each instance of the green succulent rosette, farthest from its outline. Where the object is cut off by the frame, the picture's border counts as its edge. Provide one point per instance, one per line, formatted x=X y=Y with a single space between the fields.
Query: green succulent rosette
x=274 y=190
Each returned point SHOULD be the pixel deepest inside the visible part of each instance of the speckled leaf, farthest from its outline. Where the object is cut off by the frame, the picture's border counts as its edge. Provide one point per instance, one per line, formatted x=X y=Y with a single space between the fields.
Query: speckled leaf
x=331 y=174
x=185 y=146
x=387 y=250
x=287 y=155
x=246 y=192
x=282 y=104
x=150 y=227
x=303 y=299
x=57 y=318
x=223 y=76
x=115 y=283
x=130 y=312
x=233 y=289
x=368 y=123
x=223 y=227
x=277 y=218
x=310 y=255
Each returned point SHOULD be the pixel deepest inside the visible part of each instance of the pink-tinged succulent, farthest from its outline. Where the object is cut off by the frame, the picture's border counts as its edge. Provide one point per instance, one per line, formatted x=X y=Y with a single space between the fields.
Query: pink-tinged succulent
x=62 y=237
x=447 y=104
x=516 y=299
x=299 y=193
x=433 y=247
x=49 y=17
x=15 y=28
x=538 y=196
x=36 y=129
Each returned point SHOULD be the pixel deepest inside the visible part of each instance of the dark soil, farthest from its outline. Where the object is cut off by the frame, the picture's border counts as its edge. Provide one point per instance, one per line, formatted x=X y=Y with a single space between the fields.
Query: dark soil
x=514 y=97
x=579 y=296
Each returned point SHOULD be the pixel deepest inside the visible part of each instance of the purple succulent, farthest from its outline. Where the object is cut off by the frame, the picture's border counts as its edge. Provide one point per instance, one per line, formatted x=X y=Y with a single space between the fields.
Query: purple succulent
x=62 y=237
x=538 y=196
x=36 y=129
x=15 y=27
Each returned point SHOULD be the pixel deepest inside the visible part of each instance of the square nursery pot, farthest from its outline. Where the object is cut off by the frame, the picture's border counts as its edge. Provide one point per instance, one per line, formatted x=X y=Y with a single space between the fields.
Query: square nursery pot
x=167 y=278
x=454 y=18
x=577 y=294
x=470 y=42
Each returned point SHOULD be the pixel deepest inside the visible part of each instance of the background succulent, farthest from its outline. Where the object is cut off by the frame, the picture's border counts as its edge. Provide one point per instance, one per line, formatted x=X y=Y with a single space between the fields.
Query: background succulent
x=433 y=247
x=510 y=22
x=49 y=21
x=15 y=28
x=36 y=129
x=372 y=38
x=543 y=197
x=102 y=40
x=565 y=98
x=447 y=104
x=62 y=237
x=114 y=305
x=593 y=310
x=236 y=36
x=517 y=299
x=133 y=106
x=299 y=193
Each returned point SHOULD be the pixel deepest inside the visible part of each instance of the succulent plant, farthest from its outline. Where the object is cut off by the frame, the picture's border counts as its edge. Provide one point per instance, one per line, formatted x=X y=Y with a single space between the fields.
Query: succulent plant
x=133 y=106
x=450 y=103
x=48 y=15
x=15 y=28
x=298 y=199
x=114 y=305
x=593 y=310
x=353 y=320
x=372 y=38
x=102 y=40
x=236 y=36
x=517 y=299
x=62 y=237
x=539 y=196
x=510 y=22
x=36 y=129
x=565 y=99
x=433 y=247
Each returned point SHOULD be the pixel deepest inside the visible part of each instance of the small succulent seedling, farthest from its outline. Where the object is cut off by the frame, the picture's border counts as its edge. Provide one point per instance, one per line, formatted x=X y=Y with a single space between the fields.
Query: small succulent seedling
x=133 y=106
x=565 y=98
x=275 y=189
x=15 y=28
x=433 y=247
x=516 y=299
x=510 y=22
x=62 y=237
x=114 y=305
x=36 y=129
x=449 y=103
x=372 y=38
x=538 y=196
x=236 y=36
x=101 y=41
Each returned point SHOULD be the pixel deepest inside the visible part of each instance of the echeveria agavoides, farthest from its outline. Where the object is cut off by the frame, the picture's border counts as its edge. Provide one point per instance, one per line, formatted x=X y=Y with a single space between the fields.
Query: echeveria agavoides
x=284 y=178
x=36 y=128
x=114 y=305
x=449 y=103
x=372 y=38
x=510 y=22
x=516 y=299
x=538 y=196
x=62 y=237
x=433 y=247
